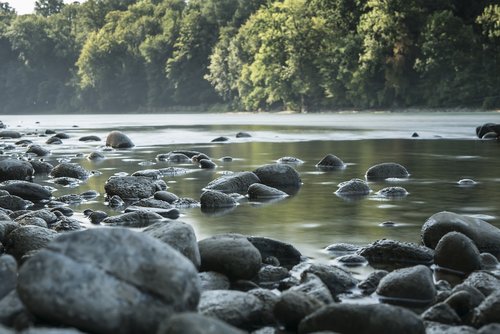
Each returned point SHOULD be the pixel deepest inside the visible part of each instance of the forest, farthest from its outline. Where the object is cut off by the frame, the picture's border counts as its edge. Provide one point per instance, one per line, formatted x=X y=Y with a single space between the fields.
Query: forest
x=255 y=55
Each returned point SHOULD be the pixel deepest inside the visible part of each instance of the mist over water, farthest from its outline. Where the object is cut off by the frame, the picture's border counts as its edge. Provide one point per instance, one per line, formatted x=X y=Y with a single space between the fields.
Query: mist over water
x=445 y=152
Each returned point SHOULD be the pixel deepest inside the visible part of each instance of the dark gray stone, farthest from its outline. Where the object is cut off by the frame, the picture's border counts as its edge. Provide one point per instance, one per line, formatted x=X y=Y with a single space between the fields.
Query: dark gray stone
x=26 y=190
x=230 y=254
x=488 y=261
x=490 y=329
x=89 y=138
x=370 y=284
x=336 y=279
x=215 y=199
x=482 y=130
x=353 y=188
x=268 y=273
x=457 y=253
x=10 y=134
x=171 y=213
x=258 y=191
x=6 y=226
x=279 y=176
x=392 y=192
x=66 y=169
x=12 y=169
x=153 y=203
x=38 y=150
x=290 y=161
x=396 y=254
x=48 y=216
x=330 y=161
x=212 y=280
x=140 y=218
x=206 y=164
x=178 y=235
x=133 y=187
x=95 y=156
x=28 y=238
x=166 y=196
x=54 y=141
x=10 y=308
x=386 y=170
x=67 y=181
x=173 y=158
x=235 y=183
x=294 y=306
x=432 y=327
x=488 y=311
x=412 y=286
x=14 y=203
x=442 y=313
x=117 y=139
x=485 y=236
x=362 y=319
x=194 y=323
x=35 y=221
x=154 y=174
x=8 y=274
x=313 y=286
x=243 y=135
x=128 y=284
x=41 y=167
x=287 y=255
x=484 y=281
x=65 y=224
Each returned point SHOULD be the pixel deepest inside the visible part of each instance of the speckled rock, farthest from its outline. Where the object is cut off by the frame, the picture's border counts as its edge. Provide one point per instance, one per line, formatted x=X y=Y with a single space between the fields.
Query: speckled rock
x=37 y=150
x=14 y=203
x=12 y=169
x=258 y=191
x=336 y=279
x=212 y=280
x=41 y=167
x=278 y=176
x=26 y=190
x=330 y=161
x=28 y=238
x=488 y=311
x=484 y=281
x=294 y=306
x=392 y=192
x=386 y=170
x=235 y=183
x=140 y=218
x=442 y=313
x=70 y=170
x=396 y=254
x=215 y=199
x=133 y=187
x=353 y=188
x=166 y=196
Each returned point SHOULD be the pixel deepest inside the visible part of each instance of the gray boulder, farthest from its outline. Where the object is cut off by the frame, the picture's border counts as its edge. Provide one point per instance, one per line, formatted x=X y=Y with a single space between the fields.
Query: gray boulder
x=484 y=235
x=178 y=235
x=293 y=306
x=235 y=183
x=48 y=216
x=8 y=274
x=12 y=169
x=117 y=139
x=258 y=191
x=313 y=286
x=362 y=319
x=212 y=199
x=386 y=170
x=330 y=161
x=412 y=286
x=396 y=254
x=10 y=134
x=129 y=284
x=89 y=138
x=6 y=226
x=194 y=323
x=457 y=253
x=230 y=254
x=286 y=254
x=26 y=190
x=26 y=239
x=279 y=176
x=66 y=169
x=38 y=150
x=442 y=313
x=212 y=280
x=166 y=196
x=11 y=308
x=336 y=279
x=14 y=203
x=392 y=192
x=483 y=281
x=141 y=218
x=488 y=311
x=353 y=188
x=41 y=167
x=133 y=187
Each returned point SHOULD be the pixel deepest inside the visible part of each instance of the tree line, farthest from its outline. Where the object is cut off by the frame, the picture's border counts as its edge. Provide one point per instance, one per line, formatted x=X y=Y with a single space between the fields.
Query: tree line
x=133 y=55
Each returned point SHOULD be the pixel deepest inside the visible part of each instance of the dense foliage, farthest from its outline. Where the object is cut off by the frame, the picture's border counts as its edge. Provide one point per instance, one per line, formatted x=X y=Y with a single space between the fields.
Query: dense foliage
x=130 y=55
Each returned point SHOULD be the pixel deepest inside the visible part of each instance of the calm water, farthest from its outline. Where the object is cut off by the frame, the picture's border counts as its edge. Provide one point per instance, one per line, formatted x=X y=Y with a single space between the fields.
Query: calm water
x=445 y=152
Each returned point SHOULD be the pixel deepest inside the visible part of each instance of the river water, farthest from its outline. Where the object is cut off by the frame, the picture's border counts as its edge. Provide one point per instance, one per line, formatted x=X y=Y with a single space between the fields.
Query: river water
x=445 y=152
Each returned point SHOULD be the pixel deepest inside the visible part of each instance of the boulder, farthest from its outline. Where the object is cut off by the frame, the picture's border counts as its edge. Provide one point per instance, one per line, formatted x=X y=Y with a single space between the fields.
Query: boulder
x=211 y=199
x=178 y=235
x=293 y=306
x=8 y=275
x=485 y=236
x=396 y=254
x=286 y=254
x=117 y=139
x=26 y=190
x=11 y=309
x=48 y=216
x=362 y=319
x=235 y=183
x=26 y=239
x=10 y=134
x=258 y=191
x=281 y=176
x=336 y=279
x=41 y=167
x=194 y=323
x=12 y=169
x=38 y=150
x=66 y=169
x=353 y=188
x=140 y=218
x=313 y=286
x=212 y=280
x=412 y=286
x=330 y=161
x=488 y=311
x=386 y=170
x=457 y=254
x=129 y=284
x=133 y=187
x=483 y=281
x=230 y=254
x=442 y=313
x=392 y=192
x=14 y=203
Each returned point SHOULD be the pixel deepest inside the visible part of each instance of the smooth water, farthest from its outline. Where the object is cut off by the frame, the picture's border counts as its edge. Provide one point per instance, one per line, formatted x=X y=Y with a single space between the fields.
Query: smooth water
x=445 y=152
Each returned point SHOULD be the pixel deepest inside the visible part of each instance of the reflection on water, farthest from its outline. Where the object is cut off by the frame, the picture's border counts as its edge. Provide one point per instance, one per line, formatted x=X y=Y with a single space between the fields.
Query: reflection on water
x=314 y=217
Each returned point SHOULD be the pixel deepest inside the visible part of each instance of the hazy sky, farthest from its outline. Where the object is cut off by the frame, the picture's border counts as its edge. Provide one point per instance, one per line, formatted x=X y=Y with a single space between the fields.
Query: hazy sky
x=26 y=6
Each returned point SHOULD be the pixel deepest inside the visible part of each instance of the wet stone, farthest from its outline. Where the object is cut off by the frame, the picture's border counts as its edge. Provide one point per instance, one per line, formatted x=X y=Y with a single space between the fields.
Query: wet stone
x=386 y=170
x=395 y=254
x=330 y=161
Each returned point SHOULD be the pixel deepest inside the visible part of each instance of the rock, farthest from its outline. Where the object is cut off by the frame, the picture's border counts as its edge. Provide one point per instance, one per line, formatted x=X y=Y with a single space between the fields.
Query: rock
x=11 y=308
x=483 y=281
x=488 y=311
x=141 y=218
x=61 y=135
x=70 y=199
x=117 y=139
x=457 y=253
x=96 y=217
x=8 y=275
x=48 y=330
x=488 y=261
x=219 y=139
x=6 y=226
x=463 y=302
x=35 y=221
x=392 y=192
x=171 y=213
x=48 y=216
x=442 y=313
x=396 y=254
x=230 y=254
x=38 y=150
x=370 y=284
x=385 y=171
x=313 y=286
x=66 y=169
x=243 y=135
x=438 y=328
x=133 y=187
x=489 y=329
x=152 y=203
x=330 y=161
x=281 y=176
x=336 y=279
x=64 y=210
x=96 y=156
x=466 y=182
x=235 y=183
x=10 y=134
x=194 y=323
x=89 y=138
x=211 y=199
x=166 y=196
x=362 y=319
x=115 y=201
x=12 y=169
x=239 y=309
x=408 y=286
x=178 y=158
x=258 y=191
x=482 y=130
x=353 y=188
x=484 y=235
x=129 y=284
x=269 y=299
x=294 y=306
x=67 y=181
x=271 y=274
x=41 y=167
x=14 y=203
x=65 y=224
x=207 y=164
x=289 y=160
x=26 y=190
x=154 y=174
x=212 y=280
x=28 y=238
x=178 y=235
x=287 y=255
x=54 y=141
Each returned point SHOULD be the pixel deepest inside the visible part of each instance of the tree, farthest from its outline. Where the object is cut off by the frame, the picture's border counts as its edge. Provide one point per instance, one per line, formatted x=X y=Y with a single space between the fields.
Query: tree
x=48 y=7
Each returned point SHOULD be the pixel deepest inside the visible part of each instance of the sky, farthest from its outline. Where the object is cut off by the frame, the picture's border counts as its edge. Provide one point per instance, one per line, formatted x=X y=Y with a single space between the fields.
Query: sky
x=26 y=6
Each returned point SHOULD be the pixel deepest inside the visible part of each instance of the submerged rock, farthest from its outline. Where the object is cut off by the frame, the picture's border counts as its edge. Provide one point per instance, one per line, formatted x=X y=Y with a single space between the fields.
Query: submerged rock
x=235 y=183
x=140 y=218
x=12 y=169
x=279 y=176
x=290 y=161
x=258 y=191
x=331 y=161
x=392 y=192
x=211 y=199
x=133 y=187
x=353 y=188
x=66 y=169
x=386 y=170
x=117 y=139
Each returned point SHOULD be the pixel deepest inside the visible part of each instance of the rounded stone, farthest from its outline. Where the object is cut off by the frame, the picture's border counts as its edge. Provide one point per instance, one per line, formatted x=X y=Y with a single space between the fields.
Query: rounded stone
x=242 y=134
x=258 y=191
x=386 y=170
x=230 y=254
x=140 y=218
x=129 y=284
x=392 y=192
x=26 y=190
x=194 y=323
x=94 y=156
x=294 y=306
x=352 y=188
x=41 y=167
x=396 y=254
x=286 y=254
x=166 y=196
x=10 y=134
x=290 y=160
x=26 y=239
x=488 y=311
x=12 y=169
x=117 y=139
x=8 y=274
x=133 y=187
x=456 y=253
x=96 y=217
x=330 y=161
x=89 y=138
x=215 y=199
x=234 y=183
x=408 y=286
x=212 y=280
x=278 y=176
x=207 y=164
x=38 y=150
x=66 y=169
